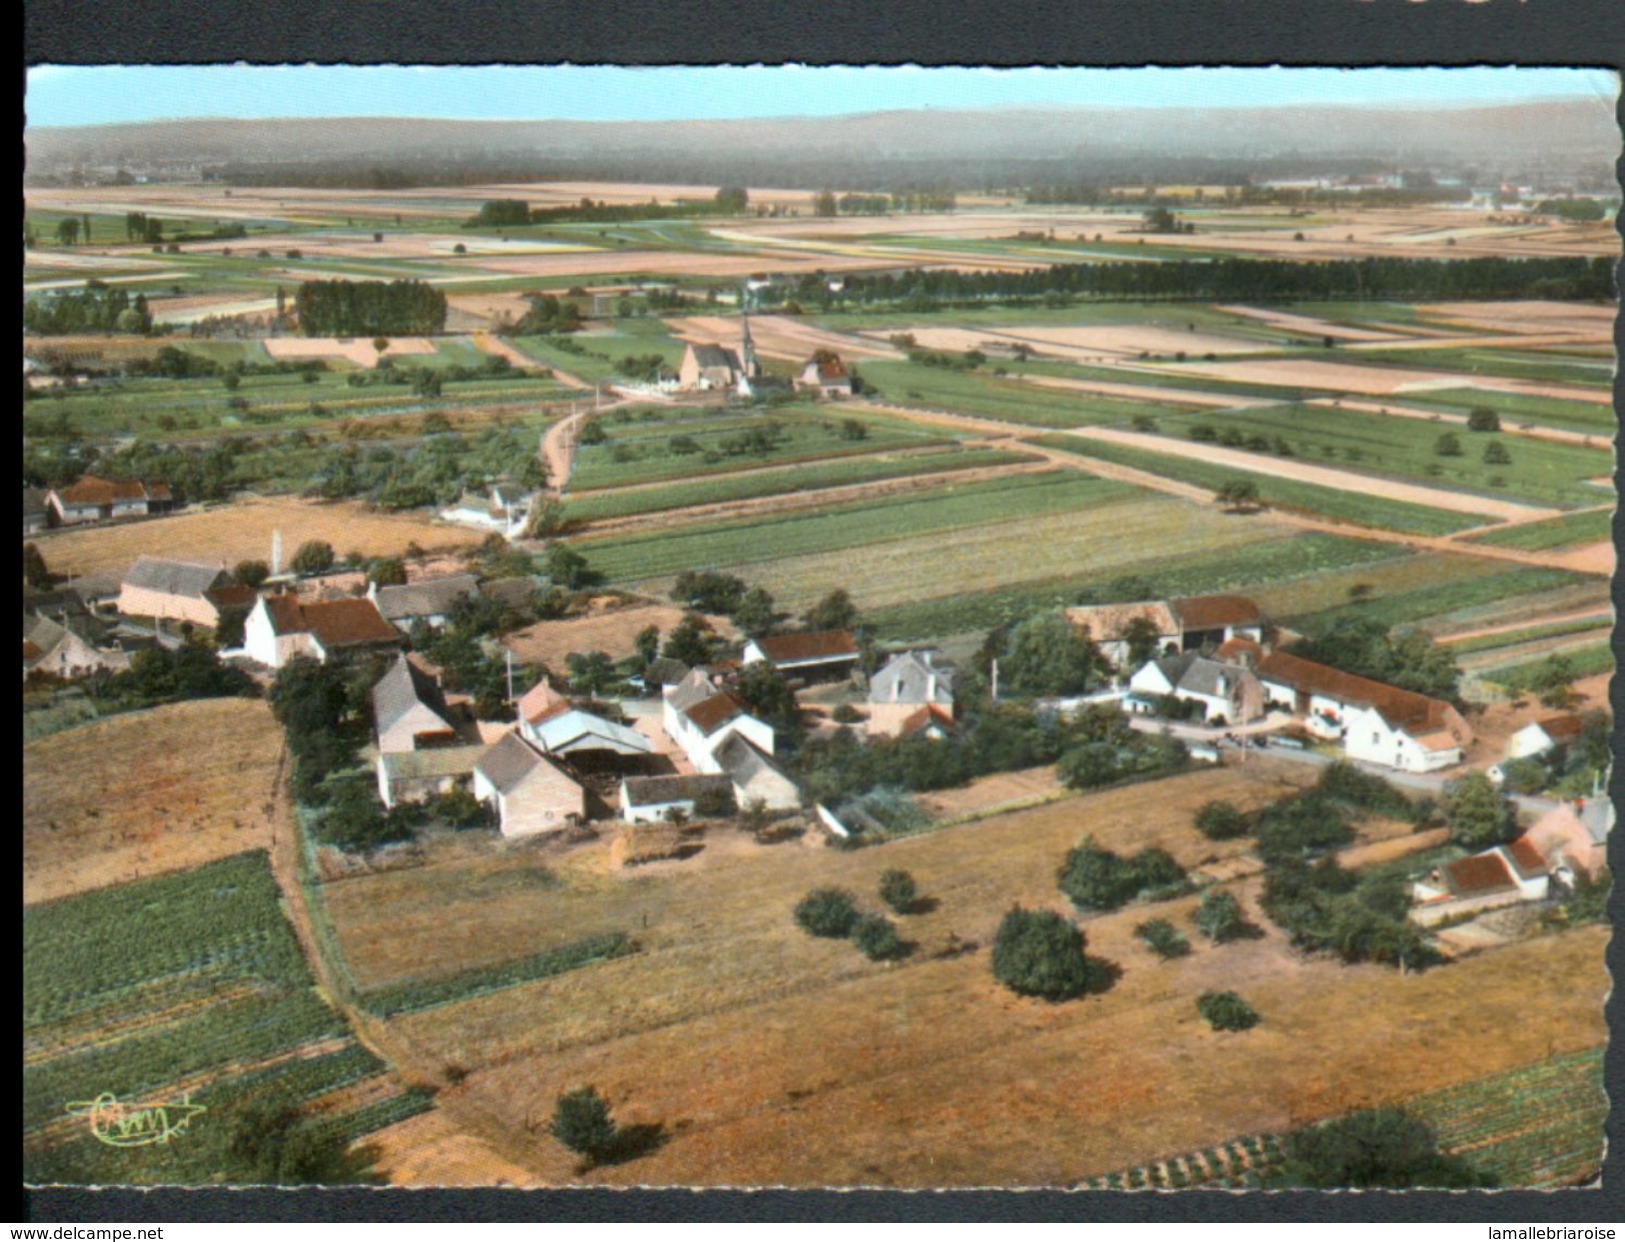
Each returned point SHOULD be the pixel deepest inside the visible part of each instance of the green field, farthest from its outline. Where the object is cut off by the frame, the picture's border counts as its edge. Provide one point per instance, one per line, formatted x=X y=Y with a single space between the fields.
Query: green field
x=1595 y=526
x=1516 y=408
x=1540 y=470
x=1533 y=633
x=847 y=526
x=1439 y=602
x=1356 y=507
x=639 y=452
x=597 y=506
x=593 y=355
x=1537 y=366
x=987 y=396
x=222 y=1011
x=1257 y=562
x=1586 y=661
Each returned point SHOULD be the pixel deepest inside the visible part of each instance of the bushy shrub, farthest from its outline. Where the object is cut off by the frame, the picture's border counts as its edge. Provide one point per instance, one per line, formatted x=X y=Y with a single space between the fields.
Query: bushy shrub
x=581 y=1122
x=1225 y=1011
x=1163 y=937
x=1038 y=953
x=1220 y=821
x=1373 y=1148
x=878 y=939
x=898 y=890
x=1097 y=879
x=829 y=912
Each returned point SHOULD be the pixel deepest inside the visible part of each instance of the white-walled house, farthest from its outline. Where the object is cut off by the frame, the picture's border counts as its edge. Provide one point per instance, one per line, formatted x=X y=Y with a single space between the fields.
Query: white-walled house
x=825 y=652
x=1540 y=736
x=650 y=799
x=409 y=711
x=906 y=683
x=1228 y=693
x=1375 y=722
x=1503 y=876
x=573 y=730
x=500 y=507
x=282 y=626
x=756 y=779
x=414 y=775
x=700 y=717
x=530 y=792
x=708 y=367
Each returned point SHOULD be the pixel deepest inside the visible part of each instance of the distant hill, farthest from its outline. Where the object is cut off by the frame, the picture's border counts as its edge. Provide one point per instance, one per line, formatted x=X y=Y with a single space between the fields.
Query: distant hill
x=1577 y=132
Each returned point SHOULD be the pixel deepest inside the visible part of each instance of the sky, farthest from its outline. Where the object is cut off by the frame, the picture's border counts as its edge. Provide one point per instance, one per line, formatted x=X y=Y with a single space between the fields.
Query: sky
x=100 y=95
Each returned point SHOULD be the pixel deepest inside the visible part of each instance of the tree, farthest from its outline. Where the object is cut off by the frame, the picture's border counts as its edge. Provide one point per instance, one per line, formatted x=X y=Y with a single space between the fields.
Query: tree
x=591 y=672
x=1238 y=495
x=1165 y=939
x=567 y=567
x=732 y=200
x=854 y=429
x=274 y=1143
x=1220 y=821
x=35 y=574
x=755 y=615
x=1495 y=454
x=689 y=642
x=582 y=1122
x=1045 y=655
x=1447 y=445
x=828 y=912
x=1373 y=1148
x=67 y=230
x=252 y=574
x=1219 y=916
x=835 y=611
x=387 y=571
x=769 y=697
x=1039 y=953
x=1098 y=879
x=899 y=891
x=1553 y=681
x=1478 y=814
x=647 y=644
x=1225 y=1011
x=313 y=557
x=1482 y=418
x=1142 y=637
x=878 y=939
x=824 y=203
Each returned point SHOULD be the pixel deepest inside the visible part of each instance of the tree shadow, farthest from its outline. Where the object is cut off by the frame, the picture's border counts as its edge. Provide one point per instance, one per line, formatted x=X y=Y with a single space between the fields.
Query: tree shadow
x=921 y=905
x=632 y=1142
x=1099 y=975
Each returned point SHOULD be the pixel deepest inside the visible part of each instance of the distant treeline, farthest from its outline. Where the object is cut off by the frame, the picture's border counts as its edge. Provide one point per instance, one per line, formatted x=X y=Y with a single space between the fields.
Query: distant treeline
x=95 y=308
x=369 y=307
x=510 y=213
x=1245 y=280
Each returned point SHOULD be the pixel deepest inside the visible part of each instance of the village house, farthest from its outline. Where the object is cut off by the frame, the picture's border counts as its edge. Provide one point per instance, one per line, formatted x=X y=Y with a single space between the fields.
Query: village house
x=417 y=775
x=410 y=712
x=167 y=590
x=928 y=721
x=531 y=792
x=906 y=684
x=572 y=731
x=700 y=716
x=429 y=601
x=1211 y=620
x=283 y=626
x=63 y=649
x=1540 y=736
x=1376 y=723
x=756 y=779
x=1503 y=876
x=500 y=507
x=822 y=655
x=1171 y=626
x=826 y=375
x=1573 y=837
x=650 y=799
x=1229 y=694
x=94 y=499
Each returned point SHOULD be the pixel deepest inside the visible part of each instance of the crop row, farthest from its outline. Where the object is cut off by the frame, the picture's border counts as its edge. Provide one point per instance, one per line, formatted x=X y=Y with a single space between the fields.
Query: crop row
x=411 y=997
x=1585 y=661
x=1591 y=526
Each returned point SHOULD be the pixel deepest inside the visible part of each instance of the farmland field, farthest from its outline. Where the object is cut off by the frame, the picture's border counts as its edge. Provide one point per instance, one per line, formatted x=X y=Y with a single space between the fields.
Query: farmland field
x=220 y=1012
x=1590 y=527
x=724 y=980
x=242 y=530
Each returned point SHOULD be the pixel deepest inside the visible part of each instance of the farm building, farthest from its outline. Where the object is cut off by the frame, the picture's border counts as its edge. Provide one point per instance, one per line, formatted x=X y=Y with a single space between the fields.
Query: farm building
x=409 y=711
x=36 y=511
x=906 y=683
x=826 y=375
x=700 y=717
x=501 y=507
x=1227 y=693
x=414 y=775
x=1173 y=626
x=530 y=792
x=707 y=368
x=757 y=780
x=61 y=649
x=647 y=799
x=575 y=732
x=928 y=720
x=1377 y=723
x=429 y=601
x=827 y=653
x=283 y=626
x=1503 y=876
x=1574 y=837
x=93 y=499
x=1540 y=736
x=168 y=590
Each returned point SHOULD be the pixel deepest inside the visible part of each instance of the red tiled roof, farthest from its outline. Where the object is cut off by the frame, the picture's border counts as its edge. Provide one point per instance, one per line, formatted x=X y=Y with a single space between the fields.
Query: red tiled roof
x=31 y=651
x=1207 y=612
x=809 y=648
x=334 y=623
x=91 y=490
x=712 y=713
x=927 y=715
x=830 y=370
x=1415 y=713
x=542 y=702
x=1478 y=875
x=1527 y=858
x=1560 y=727
x=1239 y=648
